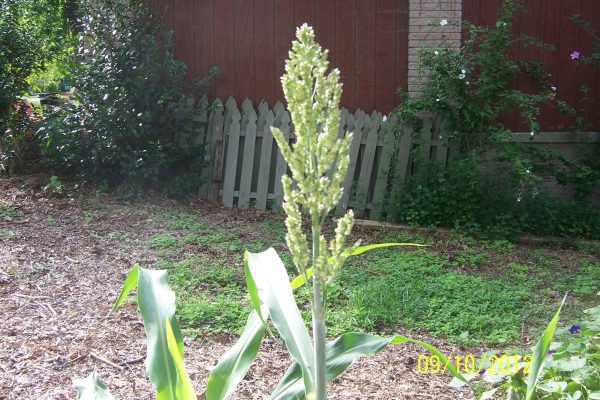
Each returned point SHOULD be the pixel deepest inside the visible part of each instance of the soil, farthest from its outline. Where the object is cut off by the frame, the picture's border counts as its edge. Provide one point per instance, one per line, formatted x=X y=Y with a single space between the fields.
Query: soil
x=60 y=274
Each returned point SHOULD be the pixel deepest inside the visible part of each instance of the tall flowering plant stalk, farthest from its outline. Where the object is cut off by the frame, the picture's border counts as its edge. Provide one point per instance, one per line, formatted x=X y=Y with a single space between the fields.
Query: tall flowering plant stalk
x=313 y=100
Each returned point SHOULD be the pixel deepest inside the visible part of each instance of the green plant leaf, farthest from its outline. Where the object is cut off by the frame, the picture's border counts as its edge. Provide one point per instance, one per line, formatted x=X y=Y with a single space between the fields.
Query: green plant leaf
x=185 y=390
x=232 y=367
x=252 y=290
x=399 y=339
x=130 y=283
x=487 y=395
x=541 y=352
x=268 y=273
x=157 y=305
x=341 y=353
x=299 y=280
x=92 y=388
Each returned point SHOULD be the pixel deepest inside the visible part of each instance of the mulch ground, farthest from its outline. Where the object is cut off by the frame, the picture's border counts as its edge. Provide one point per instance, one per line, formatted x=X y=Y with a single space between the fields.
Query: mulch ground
x=60 y=274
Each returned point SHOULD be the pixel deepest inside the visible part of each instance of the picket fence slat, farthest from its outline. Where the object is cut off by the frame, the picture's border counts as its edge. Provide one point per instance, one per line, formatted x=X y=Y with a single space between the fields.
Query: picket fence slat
x=425 y=139
x=263 y=110
x=367 y=166
x=353 y=154
x=282 y=121
x=248 y=159
x=401 y=170
x=217 y=153
x=265 y=161
x=381 y=185
x=233 y=143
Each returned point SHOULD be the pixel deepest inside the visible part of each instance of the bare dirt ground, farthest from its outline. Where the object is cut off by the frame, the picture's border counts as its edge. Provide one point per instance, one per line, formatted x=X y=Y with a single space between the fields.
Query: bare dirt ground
x=60 y=274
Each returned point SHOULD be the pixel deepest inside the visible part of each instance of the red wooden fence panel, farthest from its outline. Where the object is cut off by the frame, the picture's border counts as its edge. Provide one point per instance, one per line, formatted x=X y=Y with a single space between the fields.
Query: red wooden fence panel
x=550 y=21
x=249 y=41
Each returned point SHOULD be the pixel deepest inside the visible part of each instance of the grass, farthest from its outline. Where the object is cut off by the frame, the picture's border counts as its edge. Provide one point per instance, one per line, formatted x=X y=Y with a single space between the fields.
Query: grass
x=421 y=290
x=8 y=234
x=469 y=292
x=9 y=212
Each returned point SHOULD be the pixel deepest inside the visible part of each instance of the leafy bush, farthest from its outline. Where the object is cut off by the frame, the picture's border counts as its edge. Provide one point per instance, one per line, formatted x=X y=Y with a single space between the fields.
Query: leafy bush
x=19 y=57
x=496 y=186
x=18 y=145
x=35 y=36
x=473 y=87
x=493 y=202
x=135 y=121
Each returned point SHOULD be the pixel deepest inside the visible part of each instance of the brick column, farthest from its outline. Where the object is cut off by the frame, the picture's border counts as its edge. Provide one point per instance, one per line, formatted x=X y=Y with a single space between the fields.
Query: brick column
x=425 y=31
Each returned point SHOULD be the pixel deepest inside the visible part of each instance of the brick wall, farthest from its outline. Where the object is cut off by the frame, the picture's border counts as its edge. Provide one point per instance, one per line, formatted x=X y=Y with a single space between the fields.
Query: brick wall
x=425 y=31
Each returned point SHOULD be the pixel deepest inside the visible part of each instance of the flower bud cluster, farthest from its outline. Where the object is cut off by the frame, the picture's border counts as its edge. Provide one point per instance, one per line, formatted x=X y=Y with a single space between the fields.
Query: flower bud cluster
x=318 y=160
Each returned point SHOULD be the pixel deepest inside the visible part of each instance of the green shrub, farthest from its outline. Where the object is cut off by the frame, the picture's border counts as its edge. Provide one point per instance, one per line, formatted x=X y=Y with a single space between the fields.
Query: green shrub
x=19 y=147
x=492 y=202
x=496 y=186
x=474 y=87
x=34 y=36
x=135 y=121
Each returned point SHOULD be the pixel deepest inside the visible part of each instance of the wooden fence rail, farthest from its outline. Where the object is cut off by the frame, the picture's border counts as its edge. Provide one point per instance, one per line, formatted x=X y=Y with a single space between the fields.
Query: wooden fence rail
x=246 y=165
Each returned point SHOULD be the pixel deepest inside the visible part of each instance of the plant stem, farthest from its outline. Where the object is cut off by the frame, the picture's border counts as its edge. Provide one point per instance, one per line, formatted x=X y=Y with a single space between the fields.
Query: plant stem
x=318 y=311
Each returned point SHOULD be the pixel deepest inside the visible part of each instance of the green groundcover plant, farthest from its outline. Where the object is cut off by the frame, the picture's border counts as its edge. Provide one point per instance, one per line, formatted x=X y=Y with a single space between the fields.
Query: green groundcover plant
x=318 y=161
x=571 y=370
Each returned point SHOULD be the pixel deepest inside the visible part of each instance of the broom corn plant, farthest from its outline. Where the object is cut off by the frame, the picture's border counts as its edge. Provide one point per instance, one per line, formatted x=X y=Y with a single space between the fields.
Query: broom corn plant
x=318 y=162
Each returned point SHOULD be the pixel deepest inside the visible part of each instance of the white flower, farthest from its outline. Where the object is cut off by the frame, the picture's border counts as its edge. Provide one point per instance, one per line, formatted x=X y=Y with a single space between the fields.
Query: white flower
x=532 y=133
x=461 y=76
x=467 y=82
x=436 y=52
x=553 y=88
x=463 y=71
x=437 y=99
x=384 y=118
x=444 y=22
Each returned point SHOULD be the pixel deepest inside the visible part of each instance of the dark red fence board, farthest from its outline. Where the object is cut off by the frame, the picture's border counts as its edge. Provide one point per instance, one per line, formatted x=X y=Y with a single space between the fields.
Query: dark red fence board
x=249 y=41
x=550 y=21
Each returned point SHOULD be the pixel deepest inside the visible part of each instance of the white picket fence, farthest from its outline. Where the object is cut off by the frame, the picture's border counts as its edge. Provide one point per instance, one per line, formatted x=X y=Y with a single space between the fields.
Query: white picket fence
x=246 y=166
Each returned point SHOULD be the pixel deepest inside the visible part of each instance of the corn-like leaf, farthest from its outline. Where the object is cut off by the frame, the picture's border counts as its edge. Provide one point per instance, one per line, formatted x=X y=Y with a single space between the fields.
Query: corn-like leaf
x=92 y=388
x=541 y=352
x=341 y=353
x=157 y=305
x=130 y=283
x=236 y=362
x=268 y=274
x=185 y=390
x=299 y=280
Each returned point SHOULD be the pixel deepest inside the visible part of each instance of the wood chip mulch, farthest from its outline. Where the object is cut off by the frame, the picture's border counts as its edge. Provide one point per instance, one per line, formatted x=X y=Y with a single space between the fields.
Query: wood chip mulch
x=60 y=274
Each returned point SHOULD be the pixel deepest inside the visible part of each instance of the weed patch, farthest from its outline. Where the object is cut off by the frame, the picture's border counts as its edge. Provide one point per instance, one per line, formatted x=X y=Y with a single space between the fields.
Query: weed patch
x=163 y=241
x=9 y=212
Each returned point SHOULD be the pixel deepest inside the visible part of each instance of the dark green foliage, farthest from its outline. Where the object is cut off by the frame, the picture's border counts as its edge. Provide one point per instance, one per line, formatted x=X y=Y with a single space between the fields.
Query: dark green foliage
x=474 y=87
x=18 y=145
x=34 y=35
x=496 y=186
x=19 y=57
x=495 y=202
x=135 y=121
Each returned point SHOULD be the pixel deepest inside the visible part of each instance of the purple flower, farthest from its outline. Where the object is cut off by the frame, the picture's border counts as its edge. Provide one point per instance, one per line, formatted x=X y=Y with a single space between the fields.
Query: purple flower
x=551 y=353
x=574 y=329
x=575 y=55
